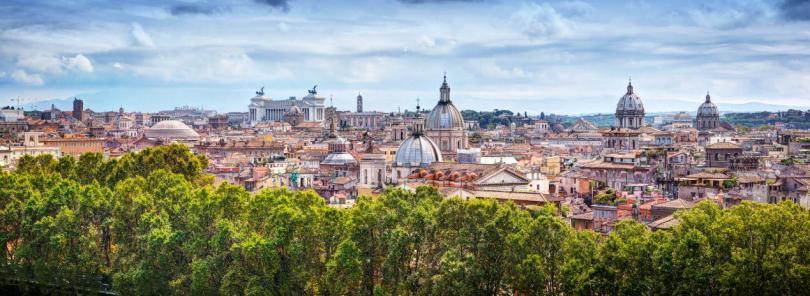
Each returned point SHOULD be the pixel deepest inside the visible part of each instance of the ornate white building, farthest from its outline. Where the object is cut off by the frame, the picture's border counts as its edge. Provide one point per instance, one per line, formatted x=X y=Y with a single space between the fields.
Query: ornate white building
x=264 y=108
x=630 y=110
x=445 y=124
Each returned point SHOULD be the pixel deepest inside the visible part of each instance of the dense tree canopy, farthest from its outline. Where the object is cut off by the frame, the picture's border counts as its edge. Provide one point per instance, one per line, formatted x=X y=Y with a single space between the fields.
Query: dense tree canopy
x=152 y=223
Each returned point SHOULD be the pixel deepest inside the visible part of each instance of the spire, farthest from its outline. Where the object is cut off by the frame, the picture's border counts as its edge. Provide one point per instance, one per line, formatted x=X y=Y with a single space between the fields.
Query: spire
x=629 y=85
x=708 y=97
x=444 y=91
x=418 y=123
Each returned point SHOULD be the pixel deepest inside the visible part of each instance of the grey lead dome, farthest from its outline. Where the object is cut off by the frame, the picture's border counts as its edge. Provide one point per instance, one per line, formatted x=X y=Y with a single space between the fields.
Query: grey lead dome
x=708 y=109
x=416 y=151
x=630 y=102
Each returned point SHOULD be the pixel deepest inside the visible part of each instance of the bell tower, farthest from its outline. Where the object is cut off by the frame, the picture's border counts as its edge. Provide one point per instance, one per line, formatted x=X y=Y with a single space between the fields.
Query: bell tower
x=359 y=103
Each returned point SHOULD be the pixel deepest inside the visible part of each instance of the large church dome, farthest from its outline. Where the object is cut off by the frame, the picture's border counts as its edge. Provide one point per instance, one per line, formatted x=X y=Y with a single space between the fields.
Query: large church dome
x=171 y=130
x=630 y=102
x=444 y=115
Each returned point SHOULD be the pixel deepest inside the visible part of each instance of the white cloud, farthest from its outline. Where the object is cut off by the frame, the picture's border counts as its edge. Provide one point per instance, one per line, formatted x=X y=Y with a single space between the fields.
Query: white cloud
x=426 y=42
x=225 y=65
x=48 y=64
x=22 y=77
x=541 y=20
x=78 y=63
x=40 y=63
x=726 y=15
x=2 y=74
x=369 y=70
x=118 y=65
x=493 y=70
x=141 y=37
x=575 y=8
x=283 y=27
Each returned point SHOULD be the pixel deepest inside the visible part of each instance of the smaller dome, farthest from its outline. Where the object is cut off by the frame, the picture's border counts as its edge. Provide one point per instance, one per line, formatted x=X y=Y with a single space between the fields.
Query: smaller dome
x=418 y=150
x=339 y=158
x=630 y=102
x=708 y=109
x=172 y=130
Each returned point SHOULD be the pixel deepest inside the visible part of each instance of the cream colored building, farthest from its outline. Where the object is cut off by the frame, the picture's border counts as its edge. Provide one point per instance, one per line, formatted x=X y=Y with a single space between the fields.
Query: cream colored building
x=31 y=146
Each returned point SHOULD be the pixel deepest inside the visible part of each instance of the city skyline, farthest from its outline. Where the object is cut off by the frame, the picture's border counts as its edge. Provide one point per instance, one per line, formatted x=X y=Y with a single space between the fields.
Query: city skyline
x=521 y=56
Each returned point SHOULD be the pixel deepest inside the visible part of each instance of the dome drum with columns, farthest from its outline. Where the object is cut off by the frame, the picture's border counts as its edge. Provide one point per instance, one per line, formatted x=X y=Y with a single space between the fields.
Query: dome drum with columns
x=630 y=110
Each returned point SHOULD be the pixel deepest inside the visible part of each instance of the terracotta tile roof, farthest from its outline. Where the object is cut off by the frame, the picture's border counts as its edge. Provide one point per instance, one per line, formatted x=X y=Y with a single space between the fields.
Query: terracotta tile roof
x=600 y=164
x=584 y=216
x=675 y=204
x=343 y=180
x=749 y=179
x=723 y=145
x=664 y=223
x=706 y=175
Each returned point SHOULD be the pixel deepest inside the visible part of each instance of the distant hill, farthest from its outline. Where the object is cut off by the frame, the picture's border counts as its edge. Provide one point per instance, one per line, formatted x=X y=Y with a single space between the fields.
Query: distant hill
x=224 y=102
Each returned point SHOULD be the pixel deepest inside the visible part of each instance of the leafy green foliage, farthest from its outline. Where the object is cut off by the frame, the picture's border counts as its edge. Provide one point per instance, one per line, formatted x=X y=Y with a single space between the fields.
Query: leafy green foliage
x=153 y=224
x=487 y=119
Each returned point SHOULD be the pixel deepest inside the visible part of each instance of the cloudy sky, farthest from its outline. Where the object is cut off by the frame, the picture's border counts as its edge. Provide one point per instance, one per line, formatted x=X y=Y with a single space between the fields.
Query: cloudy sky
x=553 y=56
